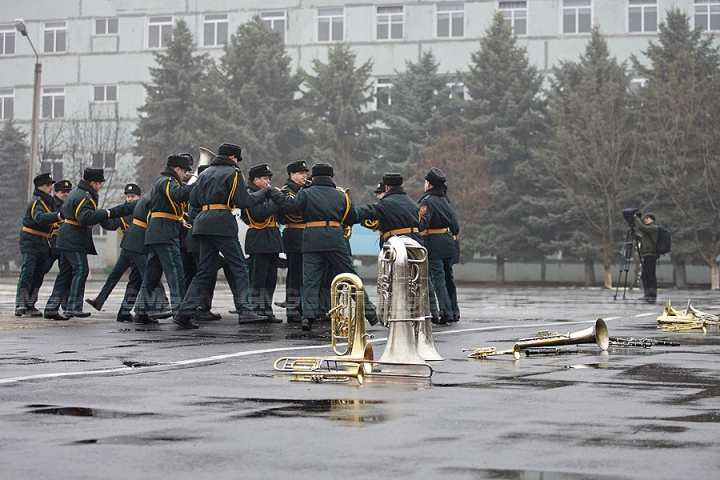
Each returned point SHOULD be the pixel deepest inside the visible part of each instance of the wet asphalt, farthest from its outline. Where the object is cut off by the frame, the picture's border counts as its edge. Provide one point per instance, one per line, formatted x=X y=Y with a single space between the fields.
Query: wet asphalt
x=94 y=398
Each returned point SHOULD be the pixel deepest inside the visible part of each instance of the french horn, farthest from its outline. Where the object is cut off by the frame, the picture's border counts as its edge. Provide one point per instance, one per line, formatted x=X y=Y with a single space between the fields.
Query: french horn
x=204 y=158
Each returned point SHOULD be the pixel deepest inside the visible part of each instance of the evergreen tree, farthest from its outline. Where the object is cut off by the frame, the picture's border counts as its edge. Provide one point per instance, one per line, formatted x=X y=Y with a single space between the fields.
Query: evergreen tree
x=256 y=106
x=168 y=122
x=418 y=111
x=14 y=159
x=502 y=118
x=335 y=105
x=680 y=118
x=590 y=149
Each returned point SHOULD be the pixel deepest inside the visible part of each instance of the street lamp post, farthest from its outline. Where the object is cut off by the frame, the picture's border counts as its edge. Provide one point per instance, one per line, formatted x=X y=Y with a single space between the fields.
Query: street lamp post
x=20 y=26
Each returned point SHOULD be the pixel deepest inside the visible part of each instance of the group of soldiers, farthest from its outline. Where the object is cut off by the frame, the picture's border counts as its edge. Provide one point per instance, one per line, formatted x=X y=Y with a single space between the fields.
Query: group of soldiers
x=188 y=231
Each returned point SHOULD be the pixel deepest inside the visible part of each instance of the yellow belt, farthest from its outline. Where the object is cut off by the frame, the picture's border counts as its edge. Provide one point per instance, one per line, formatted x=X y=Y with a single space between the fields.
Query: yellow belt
x=216 y=206
x=139 y=223
x=271 y=224
x=323 y=223
x=399 y=231
x=166 y=215
x=76 y=223
x=36 y=232
x=434 y=231
x=294 y=225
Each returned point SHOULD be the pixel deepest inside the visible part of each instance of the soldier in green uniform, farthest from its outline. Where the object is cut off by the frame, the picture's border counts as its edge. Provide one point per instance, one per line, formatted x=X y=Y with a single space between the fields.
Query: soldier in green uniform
x=162 y=235
x=438 y=225
x=75 y=242
x=374 y=225
x=263 y=243
x=218 y=191
x=35 y=236
x=292 y=242
x=324 y=209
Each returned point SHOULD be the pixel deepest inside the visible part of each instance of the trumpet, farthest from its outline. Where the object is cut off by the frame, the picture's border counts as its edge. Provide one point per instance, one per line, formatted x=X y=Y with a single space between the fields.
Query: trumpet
x=485 y=352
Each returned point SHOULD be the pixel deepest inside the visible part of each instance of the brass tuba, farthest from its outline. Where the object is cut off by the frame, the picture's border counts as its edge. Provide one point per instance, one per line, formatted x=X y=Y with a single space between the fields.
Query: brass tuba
x=347 y=317
x=205 y=157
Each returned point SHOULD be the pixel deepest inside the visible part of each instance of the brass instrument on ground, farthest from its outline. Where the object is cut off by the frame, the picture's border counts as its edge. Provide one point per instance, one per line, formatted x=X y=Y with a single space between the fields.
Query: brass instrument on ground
x=205 y=157
x=485 y=352
x=347 y=317
x=677 y=327
x=692 y=319
x=598 y=333
x=404 y=302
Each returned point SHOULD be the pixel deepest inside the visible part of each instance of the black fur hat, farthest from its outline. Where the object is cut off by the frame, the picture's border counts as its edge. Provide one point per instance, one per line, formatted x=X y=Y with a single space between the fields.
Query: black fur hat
x=297 y=166
x=94 y=175
x=322 y=170
x=392 y=179
x=380 y=188
x=63 y=186
x=436 y=177
x=180 y=160
x=133 y=188
x=261 y=170
x=43 y=179
x=230 y=149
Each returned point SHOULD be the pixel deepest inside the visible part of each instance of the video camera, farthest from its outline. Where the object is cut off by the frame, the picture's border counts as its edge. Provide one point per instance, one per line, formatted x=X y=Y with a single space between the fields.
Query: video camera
x=629 y=213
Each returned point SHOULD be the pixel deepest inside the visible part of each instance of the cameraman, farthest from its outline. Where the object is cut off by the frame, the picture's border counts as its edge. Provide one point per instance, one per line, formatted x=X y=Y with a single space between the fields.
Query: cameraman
x=648 y=241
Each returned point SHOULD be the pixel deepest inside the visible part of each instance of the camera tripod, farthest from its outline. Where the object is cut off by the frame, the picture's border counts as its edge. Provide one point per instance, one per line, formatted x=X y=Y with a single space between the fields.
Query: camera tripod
x=627 y=256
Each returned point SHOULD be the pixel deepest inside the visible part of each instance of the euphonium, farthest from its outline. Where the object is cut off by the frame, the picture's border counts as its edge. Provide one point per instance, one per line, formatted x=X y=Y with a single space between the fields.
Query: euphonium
x=347 y=317
x=598 y=333
x=206 y=156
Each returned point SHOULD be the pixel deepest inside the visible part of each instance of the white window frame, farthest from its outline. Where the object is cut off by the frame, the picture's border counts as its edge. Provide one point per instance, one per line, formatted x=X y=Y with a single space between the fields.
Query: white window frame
x=576 y=7
x=645 y=7
x=216 y=20
x=7 y=31
x=275 y=20
x=104 y=160
x=455 y=86
x=383 y=84
x=54 y=164
x=57 y=101
x=710 y=9
x=57 y=31
x=450 y=13
x=109 y=23
x=332 y=16
x=390 y=17
x=160 y=22
x=514 y=12
x=7 y=103
x=109 y=93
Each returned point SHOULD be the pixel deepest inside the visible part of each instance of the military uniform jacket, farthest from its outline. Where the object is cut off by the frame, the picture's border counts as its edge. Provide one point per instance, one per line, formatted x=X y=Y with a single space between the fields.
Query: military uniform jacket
x=437 y=215
x=292 y=236
x=80 y=212
x=56 y=226
x=38 y=224
x=192 y=245
x=218 y=191
x=134 y=238
x=319 y=202
x=263 y=236
x=167 y=204
x=395 y=212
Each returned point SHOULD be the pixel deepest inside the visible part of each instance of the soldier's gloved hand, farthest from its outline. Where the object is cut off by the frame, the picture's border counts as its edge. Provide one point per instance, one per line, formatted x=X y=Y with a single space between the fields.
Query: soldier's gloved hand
x=266 y=190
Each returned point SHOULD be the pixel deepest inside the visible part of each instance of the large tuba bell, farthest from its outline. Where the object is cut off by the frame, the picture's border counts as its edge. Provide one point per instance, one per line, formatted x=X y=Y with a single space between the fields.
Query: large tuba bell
x=403 y=302
x=206 y=156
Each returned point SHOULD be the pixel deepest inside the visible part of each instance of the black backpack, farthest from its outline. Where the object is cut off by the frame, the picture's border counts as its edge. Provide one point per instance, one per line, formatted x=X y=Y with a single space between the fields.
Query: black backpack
x=664 y=240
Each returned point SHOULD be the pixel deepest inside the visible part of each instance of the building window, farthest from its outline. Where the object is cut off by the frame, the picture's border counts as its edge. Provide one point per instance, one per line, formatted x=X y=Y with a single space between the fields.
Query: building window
x=55 y=37
x=52 y=163
x=7 y=103
x=275 y=21
x=215 y=29
x=577 y=16
x=451 y=20
x=53 y=103
x=159 y=31
x=7 y=39
x=104 y=160
x=104 y=93
x=515 y=15
x=331 y=24
x=707 y=14
x=106 y=26
x=456 y=88
x=642 y=15
x=382 y=93
x=389 y=23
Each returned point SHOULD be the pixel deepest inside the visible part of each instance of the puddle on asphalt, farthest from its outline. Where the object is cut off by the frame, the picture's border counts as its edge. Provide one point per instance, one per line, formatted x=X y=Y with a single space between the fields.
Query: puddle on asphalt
x=663 y=373
x=710 y=417
x=134 y=440
x=492 y=473
x=344 y=410
x=83 y=412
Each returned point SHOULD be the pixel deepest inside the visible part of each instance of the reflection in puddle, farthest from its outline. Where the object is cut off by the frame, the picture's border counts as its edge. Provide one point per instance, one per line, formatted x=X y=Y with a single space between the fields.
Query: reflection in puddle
x=492 y=473
x=83 y=412
x=600 y=366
